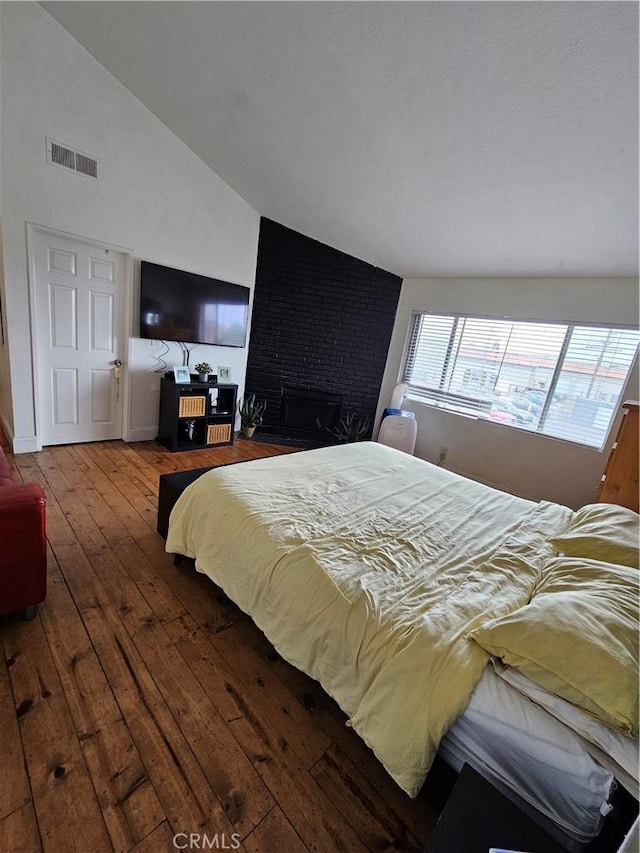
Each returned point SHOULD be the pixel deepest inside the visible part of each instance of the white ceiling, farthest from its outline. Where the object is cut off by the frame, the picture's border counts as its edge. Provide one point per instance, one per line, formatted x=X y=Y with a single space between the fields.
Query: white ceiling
x=428 y=138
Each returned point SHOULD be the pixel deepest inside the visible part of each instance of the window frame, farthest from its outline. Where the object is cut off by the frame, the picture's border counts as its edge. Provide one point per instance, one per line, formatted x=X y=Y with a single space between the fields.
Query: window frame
x=420 y=395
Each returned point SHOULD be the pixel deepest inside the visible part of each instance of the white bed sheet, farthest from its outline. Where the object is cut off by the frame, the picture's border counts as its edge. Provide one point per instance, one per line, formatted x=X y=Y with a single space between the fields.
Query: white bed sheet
x=519 y=747
x=615 y=751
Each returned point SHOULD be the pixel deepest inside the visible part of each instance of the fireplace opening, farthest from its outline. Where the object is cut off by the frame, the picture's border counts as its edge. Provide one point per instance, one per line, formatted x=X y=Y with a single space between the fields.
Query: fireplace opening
x=308 y=412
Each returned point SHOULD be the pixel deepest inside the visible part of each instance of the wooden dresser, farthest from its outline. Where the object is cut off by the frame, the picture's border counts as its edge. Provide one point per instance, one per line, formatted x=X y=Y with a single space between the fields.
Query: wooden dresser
x=619 y=484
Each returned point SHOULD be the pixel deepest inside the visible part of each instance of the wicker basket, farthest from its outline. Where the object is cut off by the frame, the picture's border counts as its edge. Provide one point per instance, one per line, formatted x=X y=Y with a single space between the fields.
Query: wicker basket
x=217 y=433
x=192 y=407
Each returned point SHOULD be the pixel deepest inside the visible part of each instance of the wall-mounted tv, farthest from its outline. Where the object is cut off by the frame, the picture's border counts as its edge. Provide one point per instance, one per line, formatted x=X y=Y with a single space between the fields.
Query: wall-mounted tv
x=182 y=306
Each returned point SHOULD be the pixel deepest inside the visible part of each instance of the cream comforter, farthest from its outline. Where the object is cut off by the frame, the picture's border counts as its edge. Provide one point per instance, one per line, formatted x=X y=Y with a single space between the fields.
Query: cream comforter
x=366 y=568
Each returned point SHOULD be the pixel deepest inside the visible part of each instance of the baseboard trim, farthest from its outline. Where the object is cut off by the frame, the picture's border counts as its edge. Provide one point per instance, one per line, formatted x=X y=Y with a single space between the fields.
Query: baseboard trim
x=21 y=443
x=25 y=444
x=142 y=434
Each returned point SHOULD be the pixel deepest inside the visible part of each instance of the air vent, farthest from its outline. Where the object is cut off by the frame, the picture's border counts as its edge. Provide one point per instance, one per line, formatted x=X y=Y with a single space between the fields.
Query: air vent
x=68 y=158
x=86 y=165
x=62 y=156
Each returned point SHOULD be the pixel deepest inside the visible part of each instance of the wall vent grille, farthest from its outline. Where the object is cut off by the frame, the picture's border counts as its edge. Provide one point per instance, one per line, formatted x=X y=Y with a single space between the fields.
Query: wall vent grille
x=68 y=158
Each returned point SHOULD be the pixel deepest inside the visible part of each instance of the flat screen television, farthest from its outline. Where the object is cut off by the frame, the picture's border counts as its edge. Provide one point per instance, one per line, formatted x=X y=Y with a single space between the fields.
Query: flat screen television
x=182 y=306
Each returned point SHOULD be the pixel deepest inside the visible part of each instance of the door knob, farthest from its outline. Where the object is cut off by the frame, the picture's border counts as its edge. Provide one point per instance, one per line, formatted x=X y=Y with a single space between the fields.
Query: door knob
x=117 y=375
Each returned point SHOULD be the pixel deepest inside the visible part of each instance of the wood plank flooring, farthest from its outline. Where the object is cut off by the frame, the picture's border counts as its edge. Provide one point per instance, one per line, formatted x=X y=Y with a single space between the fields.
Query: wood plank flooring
x=141 y=706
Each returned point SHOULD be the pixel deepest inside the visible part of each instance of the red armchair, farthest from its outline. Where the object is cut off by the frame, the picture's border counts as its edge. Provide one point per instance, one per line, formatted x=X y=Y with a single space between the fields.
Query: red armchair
x=23 y=552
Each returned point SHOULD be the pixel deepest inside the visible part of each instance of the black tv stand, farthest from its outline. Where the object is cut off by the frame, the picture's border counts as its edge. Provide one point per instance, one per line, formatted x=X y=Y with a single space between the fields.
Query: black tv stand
x=196 y=415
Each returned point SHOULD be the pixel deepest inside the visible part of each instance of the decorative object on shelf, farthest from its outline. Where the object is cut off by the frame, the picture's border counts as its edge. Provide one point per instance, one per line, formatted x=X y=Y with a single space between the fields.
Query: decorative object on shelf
x=351 y=428
x=181 y=374
x=203 y=369
x=251 y=413
x=224 y=374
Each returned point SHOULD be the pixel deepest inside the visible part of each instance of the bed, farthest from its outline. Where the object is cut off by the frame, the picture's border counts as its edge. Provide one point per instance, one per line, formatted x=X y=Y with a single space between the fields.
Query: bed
x=377 y=573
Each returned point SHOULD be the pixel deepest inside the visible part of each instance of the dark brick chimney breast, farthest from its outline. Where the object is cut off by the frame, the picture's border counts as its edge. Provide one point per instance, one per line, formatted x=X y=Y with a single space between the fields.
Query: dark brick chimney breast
x=321 y=321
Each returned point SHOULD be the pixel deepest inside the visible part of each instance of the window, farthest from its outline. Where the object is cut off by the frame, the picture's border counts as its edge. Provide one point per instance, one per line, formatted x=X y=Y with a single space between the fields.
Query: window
x=560 y=380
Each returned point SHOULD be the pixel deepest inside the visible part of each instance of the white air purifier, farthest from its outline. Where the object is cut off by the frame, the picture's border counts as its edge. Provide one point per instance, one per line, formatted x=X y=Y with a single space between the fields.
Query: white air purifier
x=400 y=432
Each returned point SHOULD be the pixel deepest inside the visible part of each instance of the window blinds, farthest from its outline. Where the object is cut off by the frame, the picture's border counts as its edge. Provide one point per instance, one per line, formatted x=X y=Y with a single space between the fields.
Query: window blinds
x=560 y=380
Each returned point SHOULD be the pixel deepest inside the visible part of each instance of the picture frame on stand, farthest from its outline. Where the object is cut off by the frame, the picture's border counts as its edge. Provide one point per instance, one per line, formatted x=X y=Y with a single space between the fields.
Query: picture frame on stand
x=181 y=374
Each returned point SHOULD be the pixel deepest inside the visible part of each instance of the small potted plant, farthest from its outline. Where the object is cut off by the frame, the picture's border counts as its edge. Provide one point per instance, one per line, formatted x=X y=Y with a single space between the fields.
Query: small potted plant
x=251 y=413
x=203 y=370
x=351 y=428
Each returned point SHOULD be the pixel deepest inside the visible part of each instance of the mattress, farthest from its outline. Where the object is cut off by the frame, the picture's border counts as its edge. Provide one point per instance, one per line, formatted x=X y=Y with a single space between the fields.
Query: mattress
x=524 y=750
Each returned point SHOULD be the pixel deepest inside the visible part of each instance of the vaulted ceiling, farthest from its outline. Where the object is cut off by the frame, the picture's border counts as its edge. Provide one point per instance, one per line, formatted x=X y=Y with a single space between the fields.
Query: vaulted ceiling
x=428 y=138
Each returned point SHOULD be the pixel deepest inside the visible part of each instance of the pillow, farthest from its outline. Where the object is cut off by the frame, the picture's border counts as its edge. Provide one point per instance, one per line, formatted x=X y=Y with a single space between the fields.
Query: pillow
x=577 y=637
x=602 y=532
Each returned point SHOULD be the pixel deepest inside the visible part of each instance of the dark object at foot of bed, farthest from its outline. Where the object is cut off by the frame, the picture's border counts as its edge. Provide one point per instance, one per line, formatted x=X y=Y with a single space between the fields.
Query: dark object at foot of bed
x=180 y=558
x=170 y=487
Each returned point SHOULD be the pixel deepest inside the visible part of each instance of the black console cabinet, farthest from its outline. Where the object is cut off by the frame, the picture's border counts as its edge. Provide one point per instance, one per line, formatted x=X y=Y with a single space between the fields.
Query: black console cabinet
x=478 y=817
x=194 y=415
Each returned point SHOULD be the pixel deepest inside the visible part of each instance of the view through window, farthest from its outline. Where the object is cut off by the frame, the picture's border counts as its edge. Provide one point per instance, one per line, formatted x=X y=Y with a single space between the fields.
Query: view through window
x=560 y=380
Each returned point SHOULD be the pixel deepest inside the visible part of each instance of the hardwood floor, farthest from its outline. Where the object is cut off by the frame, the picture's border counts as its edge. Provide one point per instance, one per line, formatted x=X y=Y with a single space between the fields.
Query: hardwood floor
x=141 y=706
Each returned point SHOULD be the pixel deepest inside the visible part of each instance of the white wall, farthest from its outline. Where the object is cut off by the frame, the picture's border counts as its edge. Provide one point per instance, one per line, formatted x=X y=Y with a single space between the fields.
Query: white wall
x=155 y=198
x=526 y=464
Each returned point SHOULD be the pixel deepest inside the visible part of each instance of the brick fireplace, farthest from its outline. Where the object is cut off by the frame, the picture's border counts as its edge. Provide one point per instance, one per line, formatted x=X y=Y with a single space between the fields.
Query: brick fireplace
x=309 y=413
x=320 y=330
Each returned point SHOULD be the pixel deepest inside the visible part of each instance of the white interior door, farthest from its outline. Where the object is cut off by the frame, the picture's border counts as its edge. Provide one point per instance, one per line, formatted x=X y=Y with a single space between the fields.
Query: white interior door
x=78 y=294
